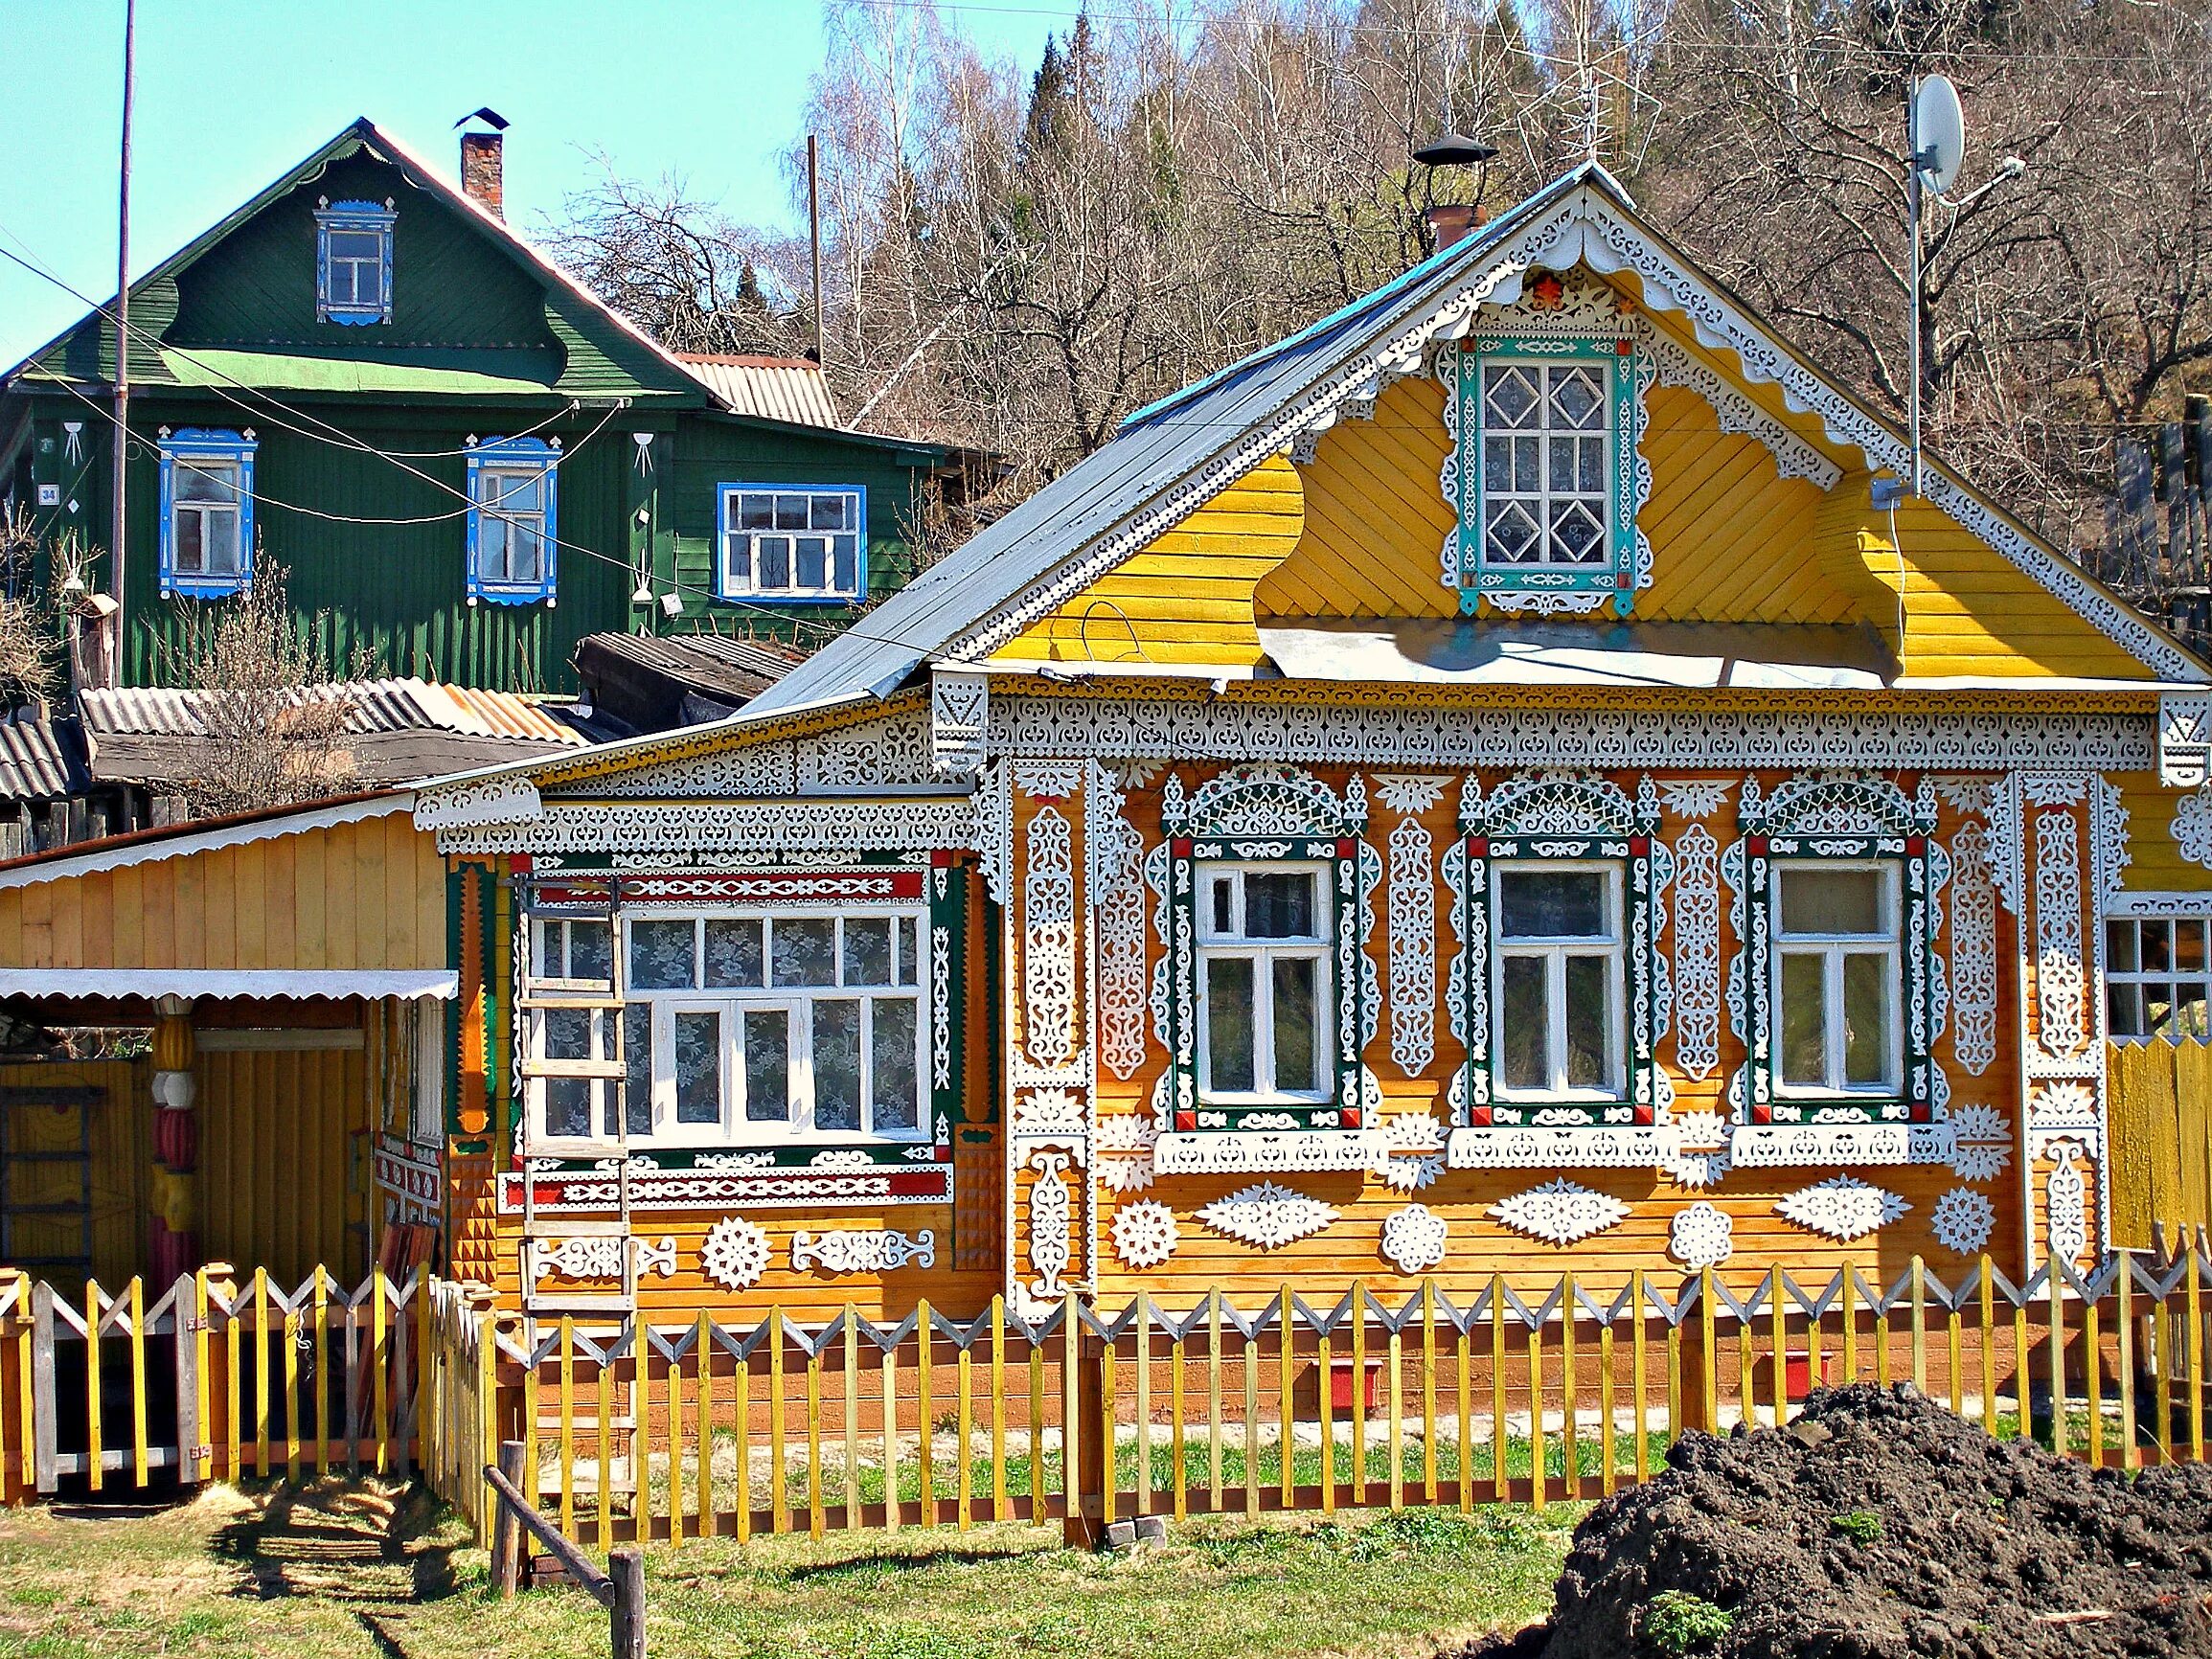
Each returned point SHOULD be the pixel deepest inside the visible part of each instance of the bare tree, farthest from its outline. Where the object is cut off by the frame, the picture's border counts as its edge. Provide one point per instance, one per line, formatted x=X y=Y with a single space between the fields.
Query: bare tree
x=29 y=631
x=272 y=713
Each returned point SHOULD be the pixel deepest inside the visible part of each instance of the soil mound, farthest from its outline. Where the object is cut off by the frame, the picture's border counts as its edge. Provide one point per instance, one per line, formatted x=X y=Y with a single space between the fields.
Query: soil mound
x=1879 y=1526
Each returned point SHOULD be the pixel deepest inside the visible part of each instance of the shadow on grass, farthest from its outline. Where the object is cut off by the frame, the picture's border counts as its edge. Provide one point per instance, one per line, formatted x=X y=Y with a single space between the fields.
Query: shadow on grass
x=341 y=1542
x=888 y=1563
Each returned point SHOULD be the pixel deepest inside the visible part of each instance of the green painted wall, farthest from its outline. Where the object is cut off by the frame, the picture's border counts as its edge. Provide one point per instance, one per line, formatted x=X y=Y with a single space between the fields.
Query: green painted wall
x=395 y=588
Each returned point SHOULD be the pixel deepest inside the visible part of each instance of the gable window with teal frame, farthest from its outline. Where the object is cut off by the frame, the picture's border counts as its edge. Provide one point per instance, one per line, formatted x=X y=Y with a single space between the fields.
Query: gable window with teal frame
x=353 y=263
x=206 y=512
x=1546 y=408
x=514 y=486
x=793 y=543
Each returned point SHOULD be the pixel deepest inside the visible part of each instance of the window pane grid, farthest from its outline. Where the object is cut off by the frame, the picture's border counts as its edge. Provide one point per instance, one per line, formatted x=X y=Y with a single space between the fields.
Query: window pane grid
x=1263 y=985
x=750 y=1026
x=791 y=543
x=1561 y=967
x=2157 y=978
x=1545 y=466
x=1838 y=965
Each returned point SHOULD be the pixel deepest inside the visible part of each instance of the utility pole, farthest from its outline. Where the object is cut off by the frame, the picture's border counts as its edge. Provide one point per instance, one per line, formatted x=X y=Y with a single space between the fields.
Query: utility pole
x=118 y=533
x=815 y=230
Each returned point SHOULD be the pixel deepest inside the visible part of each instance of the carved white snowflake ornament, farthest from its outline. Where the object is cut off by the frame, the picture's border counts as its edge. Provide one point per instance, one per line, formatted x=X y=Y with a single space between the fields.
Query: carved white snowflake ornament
x=1267 y=1213
x=735 y=1253
x=1702 y=1236
x=1962 y=1220
x=1843 y=1207
x=1414 y=1238
x=1981 y=1143
x=1559 y=1211
x=1144 y=1233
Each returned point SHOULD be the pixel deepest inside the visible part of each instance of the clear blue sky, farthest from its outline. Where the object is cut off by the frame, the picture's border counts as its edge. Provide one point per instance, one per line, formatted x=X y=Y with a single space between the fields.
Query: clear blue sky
x=231 y=93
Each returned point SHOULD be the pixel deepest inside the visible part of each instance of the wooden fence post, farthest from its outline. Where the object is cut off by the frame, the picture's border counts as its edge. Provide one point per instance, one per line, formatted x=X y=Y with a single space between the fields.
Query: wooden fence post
x=1087 y=1439
x=45 y=1448
x=506 y=1525
x=625 y=1613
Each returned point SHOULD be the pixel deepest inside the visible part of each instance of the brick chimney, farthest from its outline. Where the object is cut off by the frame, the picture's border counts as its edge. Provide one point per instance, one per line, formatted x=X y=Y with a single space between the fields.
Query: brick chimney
x=480 y=169
x=1451 y=221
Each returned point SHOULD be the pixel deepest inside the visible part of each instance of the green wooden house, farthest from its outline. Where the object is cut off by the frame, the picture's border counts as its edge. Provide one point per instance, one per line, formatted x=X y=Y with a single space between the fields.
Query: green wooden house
x=459 y=455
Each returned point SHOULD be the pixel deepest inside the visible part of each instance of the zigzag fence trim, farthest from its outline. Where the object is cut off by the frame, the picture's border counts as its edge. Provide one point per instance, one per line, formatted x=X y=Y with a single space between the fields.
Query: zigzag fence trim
x=1525 y=1392
x=1529 y=1391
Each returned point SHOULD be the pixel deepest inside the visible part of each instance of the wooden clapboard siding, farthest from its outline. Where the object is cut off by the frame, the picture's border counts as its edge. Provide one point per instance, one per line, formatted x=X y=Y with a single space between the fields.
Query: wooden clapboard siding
x=365 y=896
x=283 y=1177
x=1730 y=538
x=2154 y=862
x=1187 y=596
x=1968 y=609
x=1376 y=518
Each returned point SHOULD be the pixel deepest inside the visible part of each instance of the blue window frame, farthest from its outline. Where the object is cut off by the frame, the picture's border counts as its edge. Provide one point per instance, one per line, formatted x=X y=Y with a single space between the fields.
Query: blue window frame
x=793 y=543
x=206 y=512
x=513 y=488
x=353 y=263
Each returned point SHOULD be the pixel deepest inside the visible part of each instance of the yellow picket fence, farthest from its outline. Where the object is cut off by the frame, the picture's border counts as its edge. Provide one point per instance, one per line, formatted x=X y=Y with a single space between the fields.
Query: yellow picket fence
x=1529 y=1392
x=208 y=1379
x=1521 y=1394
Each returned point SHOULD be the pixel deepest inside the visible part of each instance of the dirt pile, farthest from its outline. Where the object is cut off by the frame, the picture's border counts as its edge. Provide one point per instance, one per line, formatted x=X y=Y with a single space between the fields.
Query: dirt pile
x=1879 y=1526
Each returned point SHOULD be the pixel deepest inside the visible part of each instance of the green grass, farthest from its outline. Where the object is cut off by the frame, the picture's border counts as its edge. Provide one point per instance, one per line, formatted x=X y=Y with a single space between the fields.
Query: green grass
x=350 y=1570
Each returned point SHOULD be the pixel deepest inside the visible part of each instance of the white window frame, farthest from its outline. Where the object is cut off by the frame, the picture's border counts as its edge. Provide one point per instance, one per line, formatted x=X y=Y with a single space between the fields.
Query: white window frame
x=911 y=935
x=490 y=509
x=1554 y=952
x=1834 y=948
x=2139 y=977
x=730 y=534
x=1262 y=953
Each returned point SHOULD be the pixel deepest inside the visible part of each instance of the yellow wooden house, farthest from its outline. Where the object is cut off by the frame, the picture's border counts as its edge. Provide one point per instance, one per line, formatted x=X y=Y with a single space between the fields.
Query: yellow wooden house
x=1503 y=779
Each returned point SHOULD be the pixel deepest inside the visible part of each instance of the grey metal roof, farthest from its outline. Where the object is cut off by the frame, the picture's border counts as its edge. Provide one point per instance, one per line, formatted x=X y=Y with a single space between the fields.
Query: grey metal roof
x=1156 y=448
x=772 y=388
x=737 y=668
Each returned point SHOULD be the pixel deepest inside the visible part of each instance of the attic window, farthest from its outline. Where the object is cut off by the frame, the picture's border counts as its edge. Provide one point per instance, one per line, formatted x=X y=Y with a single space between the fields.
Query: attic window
x=1547 y=407
x=353 y=263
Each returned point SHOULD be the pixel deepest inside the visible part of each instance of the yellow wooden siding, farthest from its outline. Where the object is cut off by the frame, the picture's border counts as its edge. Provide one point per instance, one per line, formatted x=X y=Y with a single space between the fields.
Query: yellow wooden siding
x=1187 y=596
x=1376 y=518
x=121 y=1154
x=1969 y=611
x=2161 y=1139
x=283 y=1159
x=367 y=896
x=2154 y=862
x=1730 y=536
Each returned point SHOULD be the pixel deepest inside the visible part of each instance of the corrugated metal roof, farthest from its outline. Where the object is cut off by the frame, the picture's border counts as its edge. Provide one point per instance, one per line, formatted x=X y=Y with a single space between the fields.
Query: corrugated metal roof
x=706 y=660
x=40 y=760
x=408 y=705
x=789 y=389
x=1155 y=449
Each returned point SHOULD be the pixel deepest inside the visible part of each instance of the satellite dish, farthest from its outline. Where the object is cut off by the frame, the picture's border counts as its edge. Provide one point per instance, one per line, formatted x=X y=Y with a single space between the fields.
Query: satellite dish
x=1938 y=132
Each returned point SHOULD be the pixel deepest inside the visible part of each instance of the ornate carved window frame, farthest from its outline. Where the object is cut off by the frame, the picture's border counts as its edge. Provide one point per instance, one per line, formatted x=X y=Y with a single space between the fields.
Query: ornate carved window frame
x=1555 y=324
x=1567 y=817
x=1259 y=814
x=918 y=1168
x=1841 y=816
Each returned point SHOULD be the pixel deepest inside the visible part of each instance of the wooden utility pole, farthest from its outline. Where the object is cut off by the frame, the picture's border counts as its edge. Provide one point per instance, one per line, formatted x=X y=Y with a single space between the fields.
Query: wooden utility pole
x=118 y=533
x=814 y=230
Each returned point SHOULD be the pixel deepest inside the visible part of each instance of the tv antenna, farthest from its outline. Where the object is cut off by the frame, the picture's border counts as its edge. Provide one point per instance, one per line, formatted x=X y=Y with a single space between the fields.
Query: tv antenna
x=1935 y=134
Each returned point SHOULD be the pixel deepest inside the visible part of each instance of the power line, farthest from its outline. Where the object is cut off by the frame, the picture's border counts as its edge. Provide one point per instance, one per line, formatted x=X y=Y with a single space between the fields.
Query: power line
x=341 y=439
